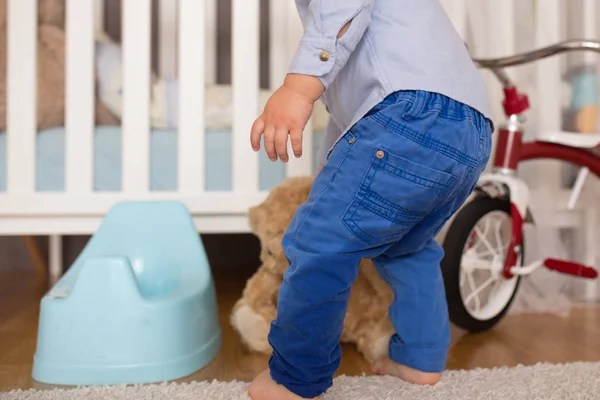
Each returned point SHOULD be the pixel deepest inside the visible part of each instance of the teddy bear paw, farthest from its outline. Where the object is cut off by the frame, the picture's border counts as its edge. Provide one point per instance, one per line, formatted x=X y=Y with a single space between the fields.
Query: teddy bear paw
x=252 y=327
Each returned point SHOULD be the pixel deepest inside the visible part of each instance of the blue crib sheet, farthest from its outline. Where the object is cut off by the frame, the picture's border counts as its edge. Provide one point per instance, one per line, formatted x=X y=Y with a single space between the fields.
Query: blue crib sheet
x=50 y=161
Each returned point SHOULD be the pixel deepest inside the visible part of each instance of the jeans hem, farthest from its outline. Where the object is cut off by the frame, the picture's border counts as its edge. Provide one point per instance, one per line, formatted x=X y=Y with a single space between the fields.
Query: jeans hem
x=302 y=389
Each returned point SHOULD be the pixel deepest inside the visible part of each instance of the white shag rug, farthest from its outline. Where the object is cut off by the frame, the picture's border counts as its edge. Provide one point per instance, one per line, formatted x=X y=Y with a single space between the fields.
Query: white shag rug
x=575 y=381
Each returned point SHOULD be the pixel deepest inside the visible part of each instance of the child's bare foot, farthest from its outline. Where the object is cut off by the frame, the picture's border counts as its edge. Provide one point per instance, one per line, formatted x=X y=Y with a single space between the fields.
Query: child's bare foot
x=389 y=367
x=263 y=387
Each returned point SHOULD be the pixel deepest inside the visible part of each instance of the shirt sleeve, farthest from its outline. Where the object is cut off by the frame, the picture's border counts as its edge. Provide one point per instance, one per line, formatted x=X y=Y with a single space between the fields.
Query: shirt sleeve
x=320 y=53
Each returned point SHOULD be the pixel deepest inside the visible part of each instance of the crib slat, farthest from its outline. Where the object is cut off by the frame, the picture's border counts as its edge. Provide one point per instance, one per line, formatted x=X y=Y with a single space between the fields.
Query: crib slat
x=548 y=31
x=79 y=95
x=548 y=90
x=590 y=31
x=99 y=15
x=302 y=166
x=245 y=51
x=590 y=26
x=210 y=52
x=191 y=96
x=293 y=33
x=476 y=17
x=278 y=51
x=21 y=95
x=503 y=26
x=136 y=95
x=167 y=38
x=457 y=12
x=500 y=27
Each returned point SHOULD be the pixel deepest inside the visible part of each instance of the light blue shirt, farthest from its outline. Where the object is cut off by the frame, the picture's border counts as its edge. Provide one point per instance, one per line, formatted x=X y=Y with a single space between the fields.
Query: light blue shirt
x=390 y=45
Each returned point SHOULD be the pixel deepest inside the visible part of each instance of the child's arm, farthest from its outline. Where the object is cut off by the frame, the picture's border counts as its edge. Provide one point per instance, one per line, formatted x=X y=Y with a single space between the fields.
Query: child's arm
x=333 y=29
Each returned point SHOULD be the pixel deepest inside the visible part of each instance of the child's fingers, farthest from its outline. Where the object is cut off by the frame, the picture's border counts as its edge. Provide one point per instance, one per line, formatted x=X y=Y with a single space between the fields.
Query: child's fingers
x=257 y=130
x=281 y=136
x=296 y=139
x=270 y=142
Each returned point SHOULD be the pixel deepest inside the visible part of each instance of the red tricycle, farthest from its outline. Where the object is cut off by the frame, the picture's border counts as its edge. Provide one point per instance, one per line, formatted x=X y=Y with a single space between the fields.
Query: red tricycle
x=484 y=246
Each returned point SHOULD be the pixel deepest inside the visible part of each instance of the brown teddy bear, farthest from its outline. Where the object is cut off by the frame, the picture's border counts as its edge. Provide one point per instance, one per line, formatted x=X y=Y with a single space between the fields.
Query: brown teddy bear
x=367 y=323
x=50 y=68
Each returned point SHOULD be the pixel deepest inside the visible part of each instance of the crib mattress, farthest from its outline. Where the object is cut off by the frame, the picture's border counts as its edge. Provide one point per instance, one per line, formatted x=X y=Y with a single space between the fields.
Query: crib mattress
x=107 y=165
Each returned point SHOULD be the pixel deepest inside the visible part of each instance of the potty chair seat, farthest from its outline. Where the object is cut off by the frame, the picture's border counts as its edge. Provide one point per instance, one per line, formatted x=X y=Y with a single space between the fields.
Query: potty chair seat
x=137 y=306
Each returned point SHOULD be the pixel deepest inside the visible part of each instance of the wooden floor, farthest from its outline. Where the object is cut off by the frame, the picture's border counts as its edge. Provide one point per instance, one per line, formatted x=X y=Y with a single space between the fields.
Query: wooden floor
x=521 y=339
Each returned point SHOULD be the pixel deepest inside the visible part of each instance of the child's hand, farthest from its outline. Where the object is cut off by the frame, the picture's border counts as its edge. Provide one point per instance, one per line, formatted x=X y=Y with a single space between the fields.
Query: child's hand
x=286 y=113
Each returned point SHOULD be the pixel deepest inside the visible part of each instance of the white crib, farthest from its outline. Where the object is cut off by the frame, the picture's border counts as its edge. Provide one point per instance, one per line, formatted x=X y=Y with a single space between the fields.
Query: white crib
x=187 y=47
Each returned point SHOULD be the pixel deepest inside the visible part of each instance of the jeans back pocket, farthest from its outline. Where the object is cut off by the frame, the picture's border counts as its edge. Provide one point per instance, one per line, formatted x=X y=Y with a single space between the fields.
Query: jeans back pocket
x=394 y=195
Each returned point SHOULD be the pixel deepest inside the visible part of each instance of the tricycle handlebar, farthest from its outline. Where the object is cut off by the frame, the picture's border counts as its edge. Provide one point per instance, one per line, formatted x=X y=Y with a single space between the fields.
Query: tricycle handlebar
x=496 y=64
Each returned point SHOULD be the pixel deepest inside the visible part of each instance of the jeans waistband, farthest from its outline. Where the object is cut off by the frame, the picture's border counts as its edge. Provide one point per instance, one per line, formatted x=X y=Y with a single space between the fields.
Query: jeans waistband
x=423 y=102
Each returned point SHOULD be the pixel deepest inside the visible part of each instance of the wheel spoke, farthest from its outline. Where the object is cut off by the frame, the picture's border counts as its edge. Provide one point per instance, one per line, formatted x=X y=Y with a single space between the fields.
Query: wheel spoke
x=486 y=242
x=494 y=288
x=498 y=234
x=476 y=292
x=487 y=253
x=486 y=226
x=472 y=286
x=472 y=261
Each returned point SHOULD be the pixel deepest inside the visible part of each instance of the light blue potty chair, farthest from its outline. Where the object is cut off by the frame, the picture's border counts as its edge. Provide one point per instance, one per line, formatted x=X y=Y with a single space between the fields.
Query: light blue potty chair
x=137 y=306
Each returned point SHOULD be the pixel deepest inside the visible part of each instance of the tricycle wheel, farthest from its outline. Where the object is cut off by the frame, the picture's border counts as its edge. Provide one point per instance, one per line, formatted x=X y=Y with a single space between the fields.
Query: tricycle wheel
x=475 y=245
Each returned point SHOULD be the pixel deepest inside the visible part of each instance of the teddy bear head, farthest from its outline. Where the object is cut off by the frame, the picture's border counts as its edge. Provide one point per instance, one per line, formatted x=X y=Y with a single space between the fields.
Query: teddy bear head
x=270 y=219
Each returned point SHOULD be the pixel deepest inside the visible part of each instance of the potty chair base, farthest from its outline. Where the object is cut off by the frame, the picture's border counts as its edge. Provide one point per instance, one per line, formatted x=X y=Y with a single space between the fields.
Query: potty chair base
x=88 y=375
x=137 y=306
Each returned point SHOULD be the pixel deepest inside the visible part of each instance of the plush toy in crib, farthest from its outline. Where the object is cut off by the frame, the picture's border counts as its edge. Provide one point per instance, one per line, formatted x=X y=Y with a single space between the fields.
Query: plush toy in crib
x=164 y=94
x=367 y=322
x=50 y=68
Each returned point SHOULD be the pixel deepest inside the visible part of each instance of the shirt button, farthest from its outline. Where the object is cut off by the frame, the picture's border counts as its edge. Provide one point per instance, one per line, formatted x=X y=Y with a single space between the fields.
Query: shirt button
x=324 y=56
x=380 y=154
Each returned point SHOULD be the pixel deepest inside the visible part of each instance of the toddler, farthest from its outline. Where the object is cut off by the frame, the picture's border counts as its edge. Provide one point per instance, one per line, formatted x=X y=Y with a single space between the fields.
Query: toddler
x=412 y=115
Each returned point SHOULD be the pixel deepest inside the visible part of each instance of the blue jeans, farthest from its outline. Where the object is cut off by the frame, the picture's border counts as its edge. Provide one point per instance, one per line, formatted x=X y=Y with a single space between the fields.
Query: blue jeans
x=388 y=187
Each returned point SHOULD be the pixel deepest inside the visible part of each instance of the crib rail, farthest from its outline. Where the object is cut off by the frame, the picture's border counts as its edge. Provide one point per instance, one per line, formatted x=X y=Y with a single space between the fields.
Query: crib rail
x=191 y=73
x=292 y=32
x=79 y=96
x=136 y=96
x=245 y=82
x=21 y=95
x=74 y=214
